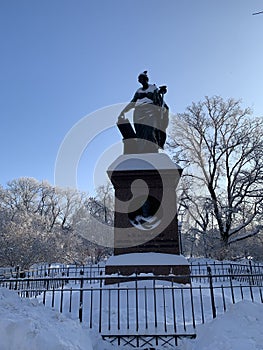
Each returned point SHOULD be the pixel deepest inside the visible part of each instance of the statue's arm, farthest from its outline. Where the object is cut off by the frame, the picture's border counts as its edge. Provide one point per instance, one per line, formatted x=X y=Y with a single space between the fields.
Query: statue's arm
x=129 y=106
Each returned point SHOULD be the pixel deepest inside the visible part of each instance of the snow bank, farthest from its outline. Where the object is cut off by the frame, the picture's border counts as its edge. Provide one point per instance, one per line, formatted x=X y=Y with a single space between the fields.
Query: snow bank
x=240 y=328
x=26 y=324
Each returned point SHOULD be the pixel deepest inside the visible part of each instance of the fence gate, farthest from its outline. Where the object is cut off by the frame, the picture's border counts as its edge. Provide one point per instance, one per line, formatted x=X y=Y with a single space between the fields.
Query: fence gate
x=147 y=341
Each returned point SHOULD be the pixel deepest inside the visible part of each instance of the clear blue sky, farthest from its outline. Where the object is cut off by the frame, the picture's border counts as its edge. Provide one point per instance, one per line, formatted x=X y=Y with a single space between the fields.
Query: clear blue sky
x=64 y=59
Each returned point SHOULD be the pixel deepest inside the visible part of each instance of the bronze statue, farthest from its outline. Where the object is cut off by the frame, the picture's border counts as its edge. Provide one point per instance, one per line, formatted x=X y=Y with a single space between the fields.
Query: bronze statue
x=150 y=116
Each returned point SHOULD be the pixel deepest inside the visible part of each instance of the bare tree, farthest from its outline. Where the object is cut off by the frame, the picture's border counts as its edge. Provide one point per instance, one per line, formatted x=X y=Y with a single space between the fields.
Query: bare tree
x=23 y=241
x=101 y=206
x=221 y=145
x=37 y=223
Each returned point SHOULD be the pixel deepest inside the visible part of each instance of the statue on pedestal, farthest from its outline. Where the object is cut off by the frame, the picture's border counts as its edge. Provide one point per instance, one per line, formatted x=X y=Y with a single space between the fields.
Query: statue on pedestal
x=145 y=181
x=150 y=117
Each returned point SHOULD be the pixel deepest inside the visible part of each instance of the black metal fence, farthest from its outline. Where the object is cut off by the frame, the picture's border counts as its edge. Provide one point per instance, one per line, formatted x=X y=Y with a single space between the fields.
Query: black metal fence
x=218 y=269
x=223 y=271
x=147 y=310
x=48 y=270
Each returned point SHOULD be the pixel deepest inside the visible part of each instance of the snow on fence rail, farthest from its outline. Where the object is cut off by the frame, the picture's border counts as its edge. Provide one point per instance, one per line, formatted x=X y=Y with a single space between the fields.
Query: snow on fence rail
x=223 y=271
x=55 y=270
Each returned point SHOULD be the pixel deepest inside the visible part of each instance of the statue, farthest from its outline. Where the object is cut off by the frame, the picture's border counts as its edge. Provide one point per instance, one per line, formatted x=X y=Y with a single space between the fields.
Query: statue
x=150 y=117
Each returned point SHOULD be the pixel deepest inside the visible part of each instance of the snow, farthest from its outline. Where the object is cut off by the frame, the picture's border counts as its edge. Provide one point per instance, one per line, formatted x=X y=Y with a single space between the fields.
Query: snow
x=28 y=324
x=147 y=259
x=146 y=161
x=25 y=324
x=240 y=328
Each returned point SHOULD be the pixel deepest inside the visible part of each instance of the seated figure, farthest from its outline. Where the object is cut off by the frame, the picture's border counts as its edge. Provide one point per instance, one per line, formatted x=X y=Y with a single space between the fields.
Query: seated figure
x=150 y=115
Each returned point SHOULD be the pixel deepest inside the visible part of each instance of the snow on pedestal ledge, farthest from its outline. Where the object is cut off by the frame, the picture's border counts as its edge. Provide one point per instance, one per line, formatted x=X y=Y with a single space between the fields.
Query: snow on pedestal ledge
x=148 y=259
x=142 y=162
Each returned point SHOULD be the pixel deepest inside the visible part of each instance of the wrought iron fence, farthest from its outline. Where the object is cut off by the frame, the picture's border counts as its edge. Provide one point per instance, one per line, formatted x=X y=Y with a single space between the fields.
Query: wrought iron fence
x=53 y=270
x=146 y=310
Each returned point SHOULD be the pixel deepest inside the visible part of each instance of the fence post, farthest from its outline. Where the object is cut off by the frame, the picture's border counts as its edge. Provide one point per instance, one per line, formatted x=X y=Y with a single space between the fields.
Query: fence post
x=231 y=284
x=136 y=304
x=155 y=306
x=81 y=299
x=251 y=272
x=17 y=276
x=100 y=306
x=210 y=277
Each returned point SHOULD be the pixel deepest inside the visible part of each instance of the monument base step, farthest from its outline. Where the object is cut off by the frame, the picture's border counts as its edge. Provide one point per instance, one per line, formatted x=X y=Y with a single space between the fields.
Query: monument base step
x=174 y=268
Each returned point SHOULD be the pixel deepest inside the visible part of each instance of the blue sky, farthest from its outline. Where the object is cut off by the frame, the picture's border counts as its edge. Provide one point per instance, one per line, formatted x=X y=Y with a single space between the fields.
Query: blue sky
x=61 y=60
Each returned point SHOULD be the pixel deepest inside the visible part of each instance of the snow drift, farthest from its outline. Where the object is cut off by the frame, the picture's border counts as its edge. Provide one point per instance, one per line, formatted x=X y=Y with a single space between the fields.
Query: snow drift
x=240 y=328
x=26 y=324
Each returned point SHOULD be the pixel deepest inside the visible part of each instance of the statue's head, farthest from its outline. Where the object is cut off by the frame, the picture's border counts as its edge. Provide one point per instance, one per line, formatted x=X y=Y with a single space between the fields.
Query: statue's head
x=143 y=77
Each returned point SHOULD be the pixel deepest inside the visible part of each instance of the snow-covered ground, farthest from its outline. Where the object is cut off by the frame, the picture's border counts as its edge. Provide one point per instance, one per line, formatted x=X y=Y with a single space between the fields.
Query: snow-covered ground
x=25 y=324
x=240 y=328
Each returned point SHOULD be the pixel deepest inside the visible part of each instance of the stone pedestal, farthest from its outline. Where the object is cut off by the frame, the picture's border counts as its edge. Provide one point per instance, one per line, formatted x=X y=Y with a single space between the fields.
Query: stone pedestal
x=145 y=209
